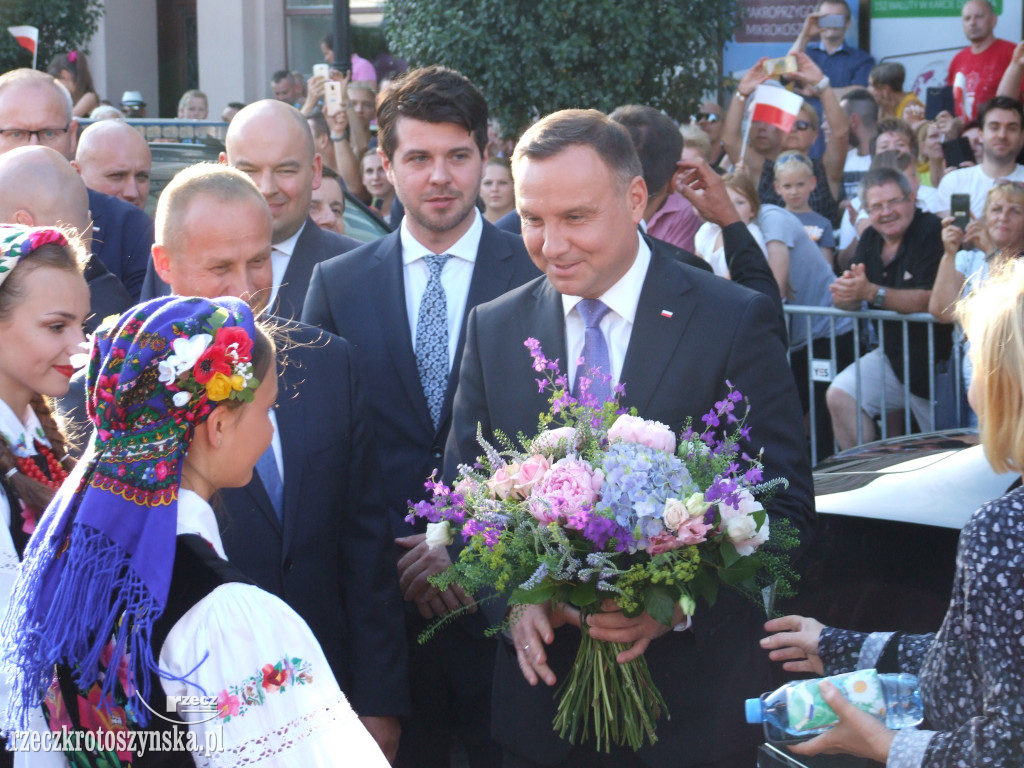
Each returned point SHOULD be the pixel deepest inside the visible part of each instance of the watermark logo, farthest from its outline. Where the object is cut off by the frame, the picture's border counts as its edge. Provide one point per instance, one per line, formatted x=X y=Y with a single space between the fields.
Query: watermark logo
x=196 y=709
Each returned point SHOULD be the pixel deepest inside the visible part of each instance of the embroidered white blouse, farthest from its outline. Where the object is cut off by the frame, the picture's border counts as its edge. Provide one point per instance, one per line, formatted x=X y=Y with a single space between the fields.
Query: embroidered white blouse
x=277 y=702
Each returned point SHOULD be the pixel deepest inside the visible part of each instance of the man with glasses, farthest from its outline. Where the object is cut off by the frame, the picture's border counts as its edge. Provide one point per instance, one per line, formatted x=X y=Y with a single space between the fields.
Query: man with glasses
x=36 y=109
x=709 y=120
x=893 y=269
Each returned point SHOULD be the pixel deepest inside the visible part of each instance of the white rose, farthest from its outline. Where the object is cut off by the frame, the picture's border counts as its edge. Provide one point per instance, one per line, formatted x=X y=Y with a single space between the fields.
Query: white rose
x=439 y=534
x=696 y=506
x=674 y=514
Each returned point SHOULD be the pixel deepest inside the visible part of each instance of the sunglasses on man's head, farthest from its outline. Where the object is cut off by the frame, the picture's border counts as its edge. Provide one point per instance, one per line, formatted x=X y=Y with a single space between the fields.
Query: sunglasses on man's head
x=710 y=117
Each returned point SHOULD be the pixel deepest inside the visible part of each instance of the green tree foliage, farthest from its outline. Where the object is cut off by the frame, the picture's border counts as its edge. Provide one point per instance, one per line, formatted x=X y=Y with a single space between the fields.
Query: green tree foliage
x=532 y=57
x=64 y=25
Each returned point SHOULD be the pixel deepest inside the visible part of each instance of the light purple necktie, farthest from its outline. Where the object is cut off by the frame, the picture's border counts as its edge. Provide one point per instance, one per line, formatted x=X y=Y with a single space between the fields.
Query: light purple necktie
x=595 y=350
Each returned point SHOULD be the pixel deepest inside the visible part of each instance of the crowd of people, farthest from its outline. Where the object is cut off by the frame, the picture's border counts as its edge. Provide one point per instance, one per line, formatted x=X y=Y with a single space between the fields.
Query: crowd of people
x=215 y=504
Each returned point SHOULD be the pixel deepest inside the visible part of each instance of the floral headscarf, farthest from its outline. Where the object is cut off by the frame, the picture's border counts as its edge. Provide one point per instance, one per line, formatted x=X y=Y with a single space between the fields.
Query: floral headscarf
x=99 y=565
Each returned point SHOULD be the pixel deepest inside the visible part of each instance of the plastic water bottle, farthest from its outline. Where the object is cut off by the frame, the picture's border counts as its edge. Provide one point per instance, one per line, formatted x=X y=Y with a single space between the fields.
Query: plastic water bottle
x=797 y=711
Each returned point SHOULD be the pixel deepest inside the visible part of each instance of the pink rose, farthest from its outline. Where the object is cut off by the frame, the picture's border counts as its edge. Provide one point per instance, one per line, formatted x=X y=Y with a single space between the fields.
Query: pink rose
x=529 y=474
x=555 y=442
x=663 y=542
x=693 y=531
x=653 y=434
x=502 y=482
x=466 y=487
x=739 y=525
x=569 y=488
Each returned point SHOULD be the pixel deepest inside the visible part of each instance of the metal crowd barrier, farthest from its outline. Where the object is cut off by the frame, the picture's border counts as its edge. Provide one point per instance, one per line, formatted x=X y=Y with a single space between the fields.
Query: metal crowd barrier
x=826 y=369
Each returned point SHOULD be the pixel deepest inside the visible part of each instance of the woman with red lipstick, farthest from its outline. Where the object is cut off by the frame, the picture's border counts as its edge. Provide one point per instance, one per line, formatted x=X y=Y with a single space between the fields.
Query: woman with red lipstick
x=43 y=302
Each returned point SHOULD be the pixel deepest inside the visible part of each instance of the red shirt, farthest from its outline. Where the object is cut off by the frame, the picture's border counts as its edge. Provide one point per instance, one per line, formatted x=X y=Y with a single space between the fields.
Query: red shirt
x=981 y=75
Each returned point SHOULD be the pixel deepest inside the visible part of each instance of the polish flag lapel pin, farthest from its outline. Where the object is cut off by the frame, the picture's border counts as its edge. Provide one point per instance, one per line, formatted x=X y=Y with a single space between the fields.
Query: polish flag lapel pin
x=666 y=313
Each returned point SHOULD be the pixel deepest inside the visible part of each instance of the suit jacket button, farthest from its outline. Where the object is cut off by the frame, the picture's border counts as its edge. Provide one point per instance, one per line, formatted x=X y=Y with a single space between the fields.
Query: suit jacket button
x=287 y=565
x=436 y=453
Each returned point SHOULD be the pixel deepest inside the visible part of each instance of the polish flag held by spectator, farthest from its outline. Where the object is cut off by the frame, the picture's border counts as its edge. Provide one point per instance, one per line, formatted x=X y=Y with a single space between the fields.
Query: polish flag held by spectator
x=27 y=38
x=776 y=106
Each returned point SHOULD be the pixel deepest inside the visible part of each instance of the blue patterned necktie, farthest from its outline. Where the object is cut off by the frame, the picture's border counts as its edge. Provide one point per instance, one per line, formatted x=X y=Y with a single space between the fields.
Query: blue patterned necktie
x=595 y=349
x=270 y=476
x=432 y=338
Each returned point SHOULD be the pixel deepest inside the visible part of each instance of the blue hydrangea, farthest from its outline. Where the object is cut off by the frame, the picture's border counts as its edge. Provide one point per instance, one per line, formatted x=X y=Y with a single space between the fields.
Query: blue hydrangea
x=637 y=482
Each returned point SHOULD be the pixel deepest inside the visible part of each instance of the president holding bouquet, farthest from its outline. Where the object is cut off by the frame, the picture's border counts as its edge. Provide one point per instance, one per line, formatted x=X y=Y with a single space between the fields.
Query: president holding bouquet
x=673 y=337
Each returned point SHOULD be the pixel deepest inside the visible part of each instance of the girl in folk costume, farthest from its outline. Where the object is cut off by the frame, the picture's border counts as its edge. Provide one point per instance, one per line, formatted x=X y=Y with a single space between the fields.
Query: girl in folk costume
x=126 y=600
x=43 y=303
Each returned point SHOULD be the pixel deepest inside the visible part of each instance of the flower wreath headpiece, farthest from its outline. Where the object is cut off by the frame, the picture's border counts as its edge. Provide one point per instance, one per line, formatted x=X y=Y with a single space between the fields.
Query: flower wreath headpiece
x=17 y=242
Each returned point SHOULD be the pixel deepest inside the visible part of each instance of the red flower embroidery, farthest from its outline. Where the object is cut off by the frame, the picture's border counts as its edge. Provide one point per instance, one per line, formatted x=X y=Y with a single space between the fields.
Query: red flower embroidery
x=273 y=678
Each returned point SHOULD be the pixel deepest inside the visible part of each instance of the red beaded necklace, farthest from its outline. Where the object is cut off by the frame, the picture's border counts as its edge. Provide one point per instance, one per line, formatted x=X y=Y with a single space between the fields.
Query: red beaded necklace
x=55 y=473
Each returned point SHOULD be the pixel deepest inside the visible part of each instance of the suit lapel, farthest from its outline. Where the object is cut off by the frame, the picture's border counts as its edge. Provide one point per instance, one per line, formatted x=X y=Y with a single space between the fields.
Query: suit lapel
x=544 y=320
x=661 y=319
x=298 y=273
x=291 y=414
x=492 y=276
x=393 y=319
x=260 y=498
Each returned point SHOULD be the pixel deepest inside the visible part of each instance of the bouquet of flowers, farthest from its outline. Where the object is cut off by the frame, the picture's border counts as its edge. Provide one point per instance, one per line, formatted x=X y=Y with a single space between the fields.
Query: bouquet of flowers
x=599 y=505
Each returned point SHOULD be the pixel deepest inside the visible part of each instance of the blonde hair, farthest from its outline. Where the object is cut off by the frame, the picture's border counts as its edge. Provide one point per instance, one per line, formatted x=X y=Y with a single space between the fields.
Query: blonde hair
x=1009 y=191
x=993 y=319
x=740 y=182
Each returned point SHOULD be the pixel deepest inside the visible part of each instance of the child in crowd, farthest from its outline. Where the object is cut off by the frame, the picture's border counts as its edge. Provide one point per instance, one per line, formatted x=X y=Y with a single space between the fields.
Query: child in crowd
x=794 y=182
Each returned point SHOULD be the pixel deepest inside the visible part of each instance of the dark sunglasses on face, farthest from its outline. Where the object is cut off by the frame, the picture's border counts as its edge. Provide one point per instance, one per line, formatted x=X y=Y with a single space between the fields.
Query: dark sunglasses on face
x=710 y=117
x=801 y=125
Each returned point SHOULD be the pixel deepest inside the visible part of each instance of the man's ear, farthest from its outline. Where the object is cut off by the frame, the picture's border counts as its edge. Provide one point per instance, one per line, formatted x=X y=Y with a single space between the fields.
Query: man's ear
x=636 y=196
x=24 y=218
x=162 y=263
x=318 y=170
x=222 y=158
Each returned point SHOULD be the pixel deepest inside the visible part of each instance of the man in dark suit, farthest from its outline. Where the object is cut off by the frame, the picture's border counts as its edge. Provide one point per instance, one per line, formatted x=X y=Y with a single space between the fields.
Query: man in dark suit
x=432 y=128
x=271 y=142
x=673 y=336
x=122 y=237
x=323 y=545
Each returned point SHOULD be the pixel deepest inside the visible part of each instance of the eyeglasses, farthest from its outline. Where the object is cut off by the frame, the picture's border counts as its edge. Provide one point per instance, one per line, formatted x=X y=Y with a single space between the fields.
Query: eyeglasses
x=802 y=125
x=710 y=117
x=888 y=205
x=43 y=135
x=1008 y=183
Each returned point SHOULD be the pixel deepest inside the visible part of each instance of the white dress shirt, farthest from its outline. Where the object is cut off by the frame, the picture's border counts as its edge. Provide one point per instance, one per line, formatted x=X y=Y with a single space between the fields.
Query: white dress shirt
x=455 y=278
x=617 y=326
x=279 y=258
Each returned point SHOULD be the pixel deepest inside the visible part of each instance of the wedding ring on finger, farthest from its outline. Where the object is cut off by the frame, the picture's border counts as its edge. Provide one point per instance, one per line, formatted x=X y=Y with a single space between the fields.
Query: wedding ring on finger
x=526 y=648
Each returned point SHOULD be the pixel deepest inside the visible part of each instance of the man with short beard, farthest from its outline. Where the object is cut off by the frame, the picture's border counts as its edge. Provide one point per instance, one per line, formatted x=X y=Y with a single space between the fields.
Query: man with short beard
x=1001 y=139
x=402 y=302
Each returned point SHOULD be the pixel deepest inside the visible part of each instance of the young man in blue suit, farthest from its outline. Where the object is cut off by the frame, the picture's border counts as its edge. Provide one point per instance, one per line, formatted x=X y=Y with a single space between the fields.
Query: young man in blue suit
x=673 y=336
x=401 y=302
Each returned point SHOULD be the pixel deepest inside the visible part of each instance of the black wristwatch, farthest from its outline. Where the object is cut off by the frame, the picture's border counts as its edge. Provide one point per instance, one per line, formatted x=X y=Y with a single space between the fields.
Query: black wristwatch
x=879 y=301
